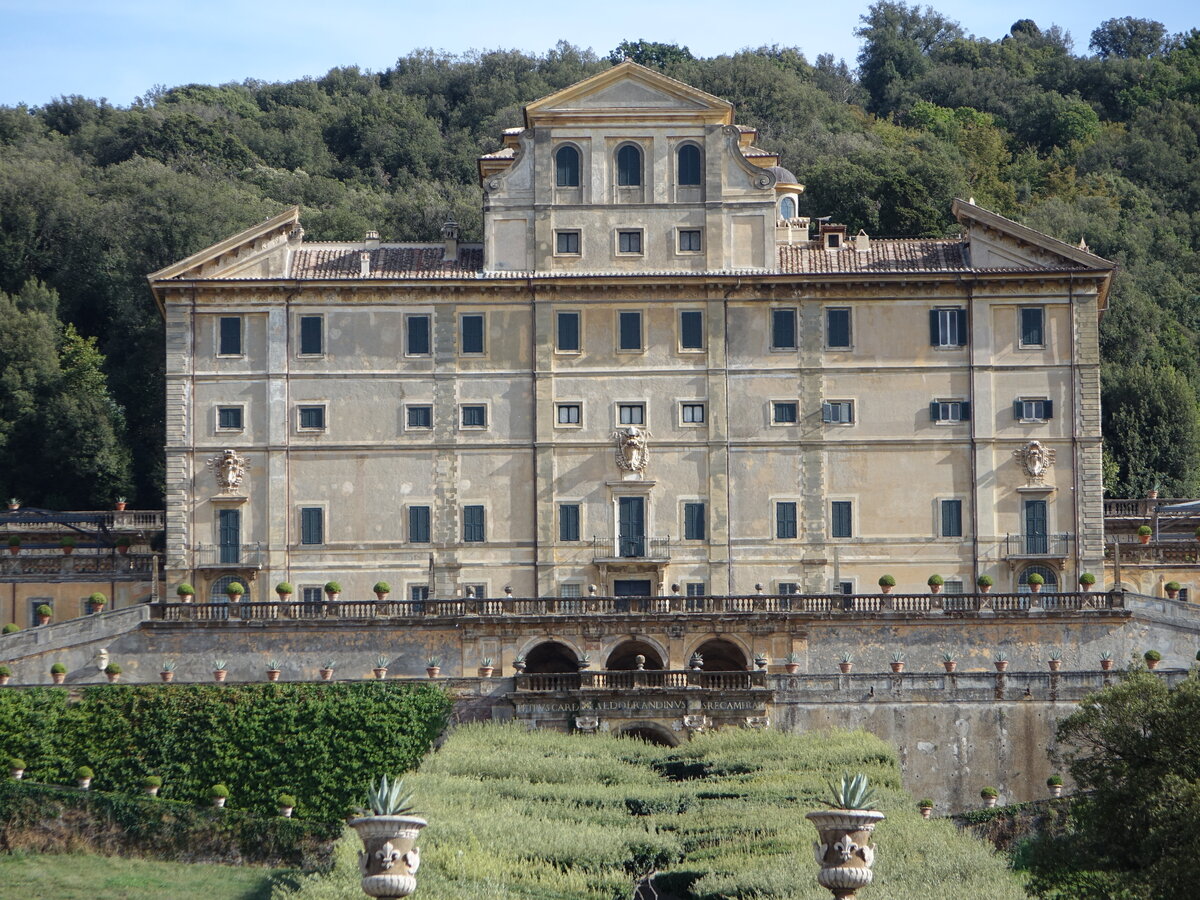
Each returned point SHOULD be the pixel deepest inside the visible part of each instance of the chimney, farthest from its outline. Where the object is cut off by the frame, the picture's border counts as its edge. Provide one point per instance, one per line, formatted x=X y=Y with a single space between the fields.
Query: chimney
x=364 y=264
x=450 y=236
x=862 y=243
x=372 y=240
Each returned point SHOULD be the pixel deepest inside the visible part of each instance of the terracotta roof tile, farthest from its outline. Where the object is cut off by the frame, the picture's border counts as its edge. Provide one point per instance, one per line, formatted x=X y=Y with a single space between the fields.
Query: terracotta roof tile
x=387 y=262
x=883 y=256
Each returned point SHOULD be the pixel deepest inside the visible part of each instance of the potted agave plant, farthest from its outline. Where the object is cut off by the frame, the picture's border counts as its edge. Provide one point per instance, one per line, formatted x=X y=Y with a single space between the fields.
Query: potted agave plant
x=1000 y=661
x=326 y=671
x=518 y=663
x=844 y=850
x=381 y=667
x=390 y=858
x=119 y=503
x=152 y=784
x=696 y=662
x=433 y=666
x=950 y=660
x=897 y=662
x=925 y=805
x=113 y=671
x=1055 y=660
x=286 y=803
x=274 y=667
x=584 y=661
x=886 y=583
x=167 y=672
x=486 y=667
x=1106 y=661
x=845 y=662
x=219 y=671
x=1055 y=783
x=791 y=663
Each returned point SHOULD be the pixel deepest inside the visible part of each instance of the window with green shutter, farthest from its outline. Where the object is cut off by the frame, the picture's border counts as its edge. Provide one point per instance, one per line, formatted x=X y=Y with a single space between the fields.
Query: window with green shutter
x=694 y=528
x=473 y=531
x=418 y=524
x=841 y=519
x=310 y=336
x=568 y=521
x=785 y=519
x=312 y=525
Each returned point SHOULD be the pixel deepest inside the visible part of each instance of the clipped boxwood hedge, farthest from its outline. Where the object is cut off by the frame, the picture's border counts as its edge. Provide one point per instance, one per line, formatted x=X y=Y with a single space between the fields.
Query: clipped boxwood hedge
x=44 y=818
x=322 y=742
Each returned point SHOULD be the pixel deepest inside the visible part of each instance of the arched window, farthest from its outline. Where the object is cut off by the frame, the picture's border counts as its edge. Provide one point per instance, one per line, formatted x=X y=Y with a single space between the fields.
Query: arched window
x=629 y=166
x=689 y=165
x=566 y=166
x=787 y=209
x=1050 y=577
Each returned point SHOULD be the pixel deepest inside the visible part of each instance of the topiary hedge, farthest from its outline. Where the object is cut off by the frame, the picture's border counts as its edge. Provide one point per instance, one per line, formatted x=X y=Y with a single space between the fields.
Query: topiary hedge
x=322 y=742
x=46 y=819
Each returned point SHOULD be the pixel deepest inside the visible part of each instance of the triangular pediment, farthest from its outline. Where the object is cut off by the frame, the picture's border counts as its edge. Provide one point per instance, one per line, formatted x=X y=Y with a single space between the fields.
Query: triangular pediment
x=245 y=254
x=1000 y=243
x=629 y=89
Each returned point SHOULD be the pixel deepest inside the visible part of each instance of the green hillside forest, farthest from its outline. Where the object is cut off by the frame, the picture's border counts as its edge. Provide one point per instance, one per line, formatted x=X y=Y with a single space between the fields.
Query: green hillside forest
x=1097 y=142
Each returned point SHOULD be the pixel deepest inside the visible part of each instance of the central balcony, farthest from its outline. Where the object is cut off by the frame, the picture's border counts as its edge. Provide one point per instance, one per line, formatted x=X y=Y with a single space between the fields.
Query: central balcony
x=1038 y=546
x=609 y=551
x=229 y=556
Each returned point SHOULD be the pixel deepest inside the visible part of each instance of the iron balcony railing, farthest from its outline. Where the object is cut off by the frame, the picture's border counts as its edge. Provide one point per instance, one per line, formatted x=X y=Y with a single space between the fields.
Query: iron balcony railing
x=229 y=556
x=1034 y=545
x=631 y=548
x=826 y=605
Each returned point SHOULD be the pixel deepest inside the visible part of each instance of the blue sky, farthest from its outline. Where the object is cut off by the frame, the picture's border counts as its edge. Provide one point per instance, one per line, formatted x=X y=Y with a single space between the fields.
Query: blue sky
x=120 y=49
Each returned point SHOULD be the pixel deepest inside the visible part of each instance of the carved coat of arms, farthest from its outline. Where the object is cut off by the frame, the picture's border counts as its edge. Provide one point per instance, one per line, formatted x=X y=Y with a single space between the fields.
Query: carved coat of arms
x=632 y=450
x=229 y=469
x=1036 y=459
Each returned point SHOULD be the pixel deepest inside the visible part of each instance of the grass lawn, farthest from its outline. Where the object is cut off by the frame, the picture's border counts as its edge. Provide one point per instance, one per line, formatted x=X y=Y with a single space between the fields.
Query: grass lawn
x=83 y=876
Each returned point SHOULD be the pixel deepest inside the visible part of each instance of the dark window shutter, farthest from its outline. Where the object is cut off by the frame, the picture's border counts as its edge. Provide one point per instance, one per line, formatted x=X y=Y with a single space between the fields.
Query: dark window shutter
x=418 y=335
x=310 y=334
x=418 y=524
x=312 y=525
x=962 y=327
x=691 y=327
x=783 y=329
x=1049 y=406
x=1018 y=409
x=568 y=522
x=934 y=411
x=966 y=411
x=568 y=331
x=934 y=334
x=472 y=334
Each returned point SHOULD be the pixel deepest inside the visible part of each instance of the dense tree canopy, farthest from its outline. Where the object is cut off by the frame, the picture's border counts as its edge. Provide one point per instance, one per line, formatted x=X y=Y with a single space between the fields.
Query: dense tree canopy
x=1102 y=147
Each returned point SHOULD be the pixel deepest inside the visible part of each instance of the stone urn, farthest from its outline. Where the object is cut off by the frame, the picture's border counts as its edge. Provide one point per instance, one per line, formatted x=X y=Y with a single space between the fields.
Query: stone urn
x=926 y=812
x=844 y=851
x=390 y=858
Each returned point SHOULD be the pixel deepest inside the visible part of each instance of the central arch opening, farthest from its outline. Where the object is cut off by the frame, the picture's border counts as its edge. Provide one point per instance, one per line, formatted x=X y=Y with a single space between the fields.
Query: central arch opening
x=551 y=656
x=722 y=656
x=650 y=733
x=624 y=655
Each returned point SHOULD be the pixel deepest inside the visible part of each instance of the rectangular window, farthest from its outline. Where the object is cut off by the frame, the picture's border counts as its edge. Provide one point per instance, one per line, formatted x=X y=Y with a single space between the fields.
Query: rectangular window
x=312 y=525
x=783 y=329
x=473 y=524
x=785 y=412
x=691 y=329
x=312 y=593
x=420 y=417
x=418 y=336
x=785 y=519
x=310 y=336
x=230 y=342
x=694 y=526
x=570 y=589
x=838 y=412
x=788 y=588
x=949 y=411
x=35 y=602
x=1037 y=536
x=692 y=413
x=952 y=586
x=418 y=524
x=837 y=329
x=474 y=416
x=471 y=327
x=948 y=327
x=568 y=521
x=631 y=414
x=568 y=332
x=630 y=331
x=569 y=414
x=1033 y=327
x=566 y=243
x=952 y=518
x=841 y=525
x=629 y=242
x=229 y=418
x=418 y=593
x=312 y=418
x=1033 y=410
x=689 y=240
x=845 y=588
x=478 y=591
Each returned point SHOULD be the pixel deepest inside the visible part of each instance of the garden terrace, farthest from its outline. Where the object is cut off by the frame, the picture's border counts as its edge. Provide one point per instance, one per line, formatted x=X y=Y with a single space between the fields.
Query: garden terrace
x=82 y=565
x=785 y=605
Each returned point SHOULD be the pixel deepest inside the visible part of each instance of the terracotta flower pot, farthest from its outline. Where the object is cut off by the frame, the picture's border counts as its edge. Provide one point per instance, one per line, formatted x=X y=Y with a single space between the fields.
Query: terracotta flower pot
x=433 y=671
x=990 y=802
x=791 y=668
x=113 y=677
x=1055 y=664
x=845 y=667
x=15 y=550
x=1106 y=665
x=272 y=674
x=67 y=551
x=58 y=677
x=926 y=812
x=1152 y=664
x=887 y=588
x=381 y=596
x=43 y=620
x=844 y=851
x=984 y=588
x=1035 y=588
x=1001 y=665
x=4 y=679
x=1144 y=538
x=390 y=857
x=1056 y=790
x=326 y=674
x=219 y=674
x=486 y=671
x=935 y=588
x=120 y=507
x=897 y=666
x=1172 y=594
x=950 y=665
x=286 y=811
x=380 y=672
x=167 y=676
x=122 y=549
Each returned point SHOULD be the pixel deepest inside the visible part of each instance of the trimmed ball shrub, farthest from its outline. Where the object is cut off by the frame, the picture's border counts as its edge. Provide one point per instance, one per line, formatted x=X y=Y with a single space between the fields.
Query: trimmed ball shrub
x=887 y=581
x=284 y=587
x=332 y=587
x=1087 y=578
x=382 y=587
x=989 y=792
x=935 y=581
x=11 y=628
x=185 y=590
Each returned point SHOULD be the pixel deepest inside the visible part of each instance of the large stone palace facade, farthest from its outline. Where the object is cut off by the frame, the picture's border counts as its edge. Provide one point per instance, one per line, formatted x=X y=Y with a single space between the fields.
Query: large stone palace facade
x=651 y=372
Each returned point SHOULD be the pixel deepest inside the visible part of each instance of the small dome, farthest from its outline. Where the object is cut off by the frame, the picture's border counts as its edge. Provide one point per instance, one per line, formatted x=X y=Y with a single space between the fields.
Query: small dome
x=782 y=175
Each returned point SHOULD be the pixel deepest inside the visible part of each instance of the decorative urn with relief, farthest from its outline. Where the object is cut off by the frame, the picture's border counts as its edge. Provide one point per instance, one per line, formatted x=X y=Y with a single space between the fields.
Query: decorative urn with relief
x=390 y=858
x=844 y=850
